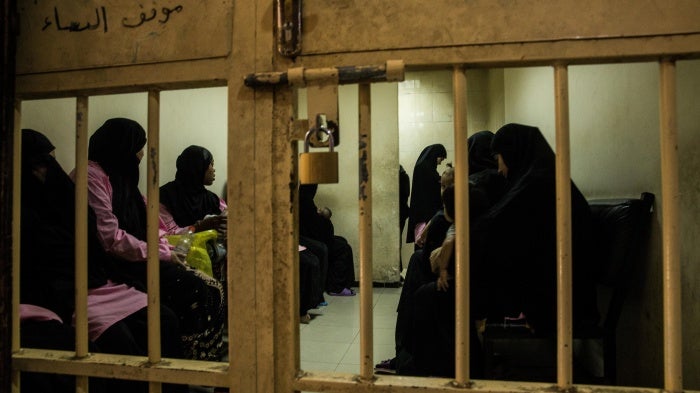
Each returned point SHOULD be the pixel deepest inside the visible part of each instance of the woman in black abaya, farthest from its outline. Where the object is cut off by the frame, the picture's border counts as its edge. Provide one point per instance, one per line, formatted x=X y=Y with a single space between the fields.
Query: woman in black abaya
x=513 y=244
x=314 y=228
x=425 y=195
x=186 y=198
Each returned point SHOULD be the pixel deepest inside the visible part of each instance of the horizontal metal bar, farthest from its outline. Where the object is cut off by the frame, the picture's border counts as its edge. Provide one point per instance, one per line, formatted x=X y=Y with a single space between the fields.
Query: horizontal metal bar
x=391 y=71
x=178 y=371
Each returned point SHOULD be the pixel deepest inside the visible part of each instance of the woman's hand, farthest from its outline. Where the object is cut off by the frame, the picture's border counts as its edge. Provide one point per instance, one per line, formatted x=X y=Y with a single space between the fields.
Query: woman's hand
x=178 y=257
x=211 y=222
x=442 y=284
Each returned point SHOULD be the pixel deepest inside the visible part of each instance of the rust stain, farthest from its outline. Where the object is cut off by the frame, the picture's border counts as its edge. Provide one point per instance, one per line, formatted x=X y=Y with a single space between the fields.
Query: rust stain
x=153 y=155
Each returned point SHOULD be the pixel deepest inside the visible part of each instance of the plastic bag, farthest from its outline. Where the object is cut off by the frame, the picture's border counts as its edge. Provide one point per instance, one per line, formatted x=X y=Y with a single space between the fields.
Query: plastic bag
x=198 y=256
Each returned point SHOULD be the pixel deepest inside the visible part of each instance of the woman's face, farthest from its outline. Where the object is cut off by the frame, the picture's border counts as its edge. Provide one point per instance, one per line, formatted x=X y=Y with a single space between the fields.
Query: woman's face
x=209 y=175
x=40 y=170
x=502 y=167
x=139 y=155
x=440 y=159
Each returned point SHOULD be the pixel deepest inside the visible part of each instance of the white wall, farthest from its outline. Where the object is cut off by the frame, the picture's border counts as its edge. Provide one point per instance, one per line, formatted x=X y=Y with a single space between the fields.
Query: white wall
x=187 y=117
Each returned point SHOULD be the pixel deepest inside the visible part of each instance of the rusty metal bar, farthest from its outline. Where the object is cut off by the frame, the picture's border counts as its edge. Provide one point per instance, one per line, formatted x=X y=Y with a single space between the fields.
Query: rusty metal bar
x=81 y=206
x=462 y=318
x=365 y=223
x=563 y=195
x=152 y=209
x=81 y=234
x=673 y=349
x=391 y=71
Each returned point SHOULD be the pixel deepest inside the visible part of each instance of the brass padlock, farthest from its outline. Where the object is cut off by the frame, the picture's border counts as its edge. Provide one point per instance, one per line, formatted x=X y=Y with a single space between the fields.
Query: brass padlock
x=318 y=167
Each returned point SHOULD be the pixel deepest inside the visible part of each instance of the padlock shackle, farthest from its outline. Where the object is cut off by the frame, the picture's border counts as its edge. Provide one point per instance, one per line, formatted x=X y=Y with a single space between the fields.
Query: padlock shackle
x=308 y=135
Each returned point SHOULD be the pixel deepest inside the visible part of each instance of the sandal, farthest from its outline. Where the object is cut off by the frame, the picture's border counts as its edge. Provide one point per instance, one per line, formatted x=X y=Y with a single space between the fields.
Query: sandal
x=344 y=292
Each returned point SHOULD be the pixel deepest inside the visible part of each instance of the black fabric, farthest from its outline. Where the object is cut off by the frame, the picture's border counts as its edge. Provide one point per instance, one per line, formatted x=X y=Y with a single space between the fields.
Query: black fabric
x=312 y=224
x=341 y=267
x=513 y=244
x=480 y=154
x=310 y=285
x=425 y=195
x=114 y=146
x=47 y=247
x=320 y=251
x=186 y=198
x=404 y=193
x=434 y=335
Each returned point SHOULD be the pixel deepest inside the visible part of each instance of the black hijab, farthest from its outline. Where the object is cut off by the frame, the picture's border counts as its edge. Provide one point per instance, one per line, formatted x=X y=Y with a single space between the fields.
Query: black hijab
x=114 y=146
x=514 y=242
x=480 y=154
x=48 y=232
x=186 y=197
x=425 y=195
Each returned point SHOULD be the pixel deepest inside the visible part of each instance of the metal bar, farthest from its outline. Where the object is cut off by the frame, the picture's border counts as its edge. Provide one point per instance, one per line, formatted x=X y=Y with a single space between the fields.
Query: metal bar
x=364 y=139
x=673 y=350
x=152 y=240
x=81 y=234
x=16 y=218
x=462 y=277
x=563 y=195
x=16 y=238
x=391 y=71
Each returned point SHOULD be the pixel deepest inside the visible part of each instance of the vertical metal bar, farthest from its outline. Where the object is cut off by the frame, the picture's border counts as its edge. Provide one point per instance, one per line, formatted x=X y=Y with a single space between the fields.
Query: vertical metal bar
x=152 y=238
x=462 y=318
x=16 y=218
x=16 y=240
x=152 y=208
x=365 y=208
x=563 y=195
x=81 y=234
x=673 y=367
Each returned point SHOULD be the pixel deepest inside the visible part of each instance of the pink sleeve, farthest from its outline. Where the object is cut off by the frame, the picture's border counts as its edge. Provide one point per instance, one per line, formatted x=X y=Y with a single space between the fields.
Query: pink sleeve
x=222 y=205
x=167 y=223
x=114 y=239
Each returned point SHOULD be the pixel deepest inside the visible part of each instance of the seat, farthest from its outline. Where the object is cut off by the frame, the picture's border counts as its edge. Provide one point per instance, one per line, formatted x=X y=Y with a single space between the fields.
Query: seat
x=512 y=352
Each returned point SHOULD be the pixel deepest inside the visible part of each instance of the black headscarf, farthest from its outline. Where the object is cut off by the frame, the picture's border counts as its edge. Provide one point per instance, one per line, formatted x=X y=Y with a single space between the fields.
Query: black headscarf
x=514 y=242
x=114 y=146
x=425 y=195
x=48 y=232
x=480 y=154
x=186 y=197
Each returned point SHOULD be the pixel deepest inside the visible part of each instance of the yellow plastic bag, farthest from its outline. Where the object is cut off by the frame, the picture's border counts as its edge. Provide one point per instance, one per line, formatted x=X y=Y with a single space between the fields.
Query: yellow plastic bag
x=198 y=257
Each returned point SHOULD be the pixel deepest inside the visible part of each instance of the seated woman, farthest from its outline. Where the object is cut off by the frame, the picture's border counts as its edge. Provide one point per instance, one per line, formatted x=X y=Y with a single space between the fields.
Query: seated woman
x=186 y=205
x=185 y=201
x=485 y=186
x=513 y=244
x=116 y=310
x=314 y=228
x=114 y=153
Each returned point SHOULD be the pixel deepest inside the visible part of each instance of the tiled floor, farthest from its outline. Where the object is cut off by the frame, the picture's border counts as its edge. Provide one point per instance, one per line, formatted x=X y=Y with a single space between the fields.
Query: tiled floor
x=331 y=341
